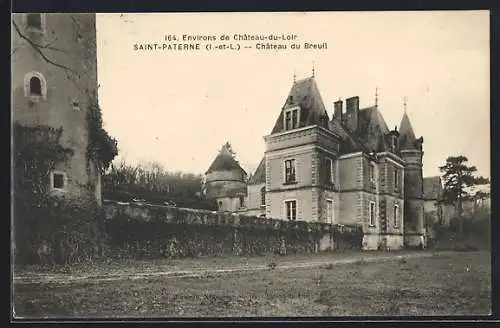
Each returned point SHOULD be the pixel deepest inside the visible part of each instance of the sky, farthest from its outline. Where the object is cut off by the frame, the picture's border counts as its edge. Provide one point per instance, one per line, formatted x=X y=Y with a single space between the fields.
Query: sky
x=178 y=108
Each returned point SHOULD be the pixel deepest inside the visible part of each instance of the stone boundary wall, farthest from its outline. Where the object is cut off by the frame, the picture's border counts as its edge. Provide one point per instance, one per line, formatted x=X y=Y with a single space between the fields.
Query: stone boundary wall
x=149 y=231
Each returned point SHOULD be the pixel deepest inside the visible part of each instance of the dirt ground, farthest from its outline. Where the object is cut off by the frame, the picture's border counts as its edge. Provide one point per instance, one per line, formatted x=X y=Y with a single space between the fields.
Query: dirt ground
x=439 y=284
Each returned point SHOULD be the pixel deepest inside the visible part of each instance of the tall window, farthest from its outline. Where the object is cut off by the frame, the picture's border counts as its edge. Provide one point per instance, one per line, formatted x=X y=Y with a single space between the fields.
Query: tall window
x=396 y=215
x=330 y=214
x=292 y=119
x=396 y=178
x=34 y=21
x=329 y=171
x=291 y=210
x=242 y=201
x=372 y=214
x=290 y=171
x=263 y=196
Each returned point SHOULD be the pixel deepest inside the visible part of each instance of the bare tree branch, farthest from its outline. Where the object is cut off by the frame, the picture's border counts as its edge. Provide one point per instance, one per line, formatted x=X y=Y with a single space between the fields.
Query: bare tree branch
x=37 y=49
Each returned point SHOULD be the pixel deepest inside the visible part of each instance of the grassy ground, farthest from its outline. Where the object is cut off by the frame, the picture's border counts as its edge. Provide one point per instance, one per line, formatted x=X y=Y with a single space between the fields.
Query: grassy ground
x=449 y=284
x=132 y=266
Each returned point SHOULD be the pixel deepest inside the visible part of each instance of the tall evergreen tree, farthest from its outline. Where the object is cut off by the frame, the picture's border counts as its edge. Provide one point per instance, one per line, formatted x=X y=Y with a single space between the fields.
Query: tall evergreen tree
x=457 y=176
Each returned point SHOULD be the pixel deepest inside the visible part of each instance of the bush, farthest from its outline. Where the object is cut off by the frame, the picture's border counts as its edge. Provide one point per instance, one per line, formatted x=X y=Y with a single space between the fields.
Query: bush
x=57 y=230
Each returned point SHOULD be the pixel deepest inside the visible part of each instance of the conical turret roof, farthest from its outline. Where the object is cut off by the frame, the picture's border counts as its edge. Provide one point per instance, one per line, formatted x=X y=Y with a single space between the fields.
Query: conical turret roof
x=407 y=139
x=225 y=161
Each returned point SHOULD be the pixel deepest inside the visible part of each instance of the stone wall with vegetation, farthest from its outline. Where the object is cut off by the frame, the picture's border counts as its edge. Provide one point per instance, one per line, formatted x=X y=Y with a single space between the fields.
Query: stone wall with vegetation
x=148 y=231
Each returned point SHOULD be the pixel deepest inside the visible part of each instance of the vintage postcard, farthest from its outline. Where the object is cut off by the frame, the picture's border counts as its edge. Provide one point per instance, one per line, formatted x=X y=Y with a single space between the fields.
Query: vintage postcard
x=287 y=164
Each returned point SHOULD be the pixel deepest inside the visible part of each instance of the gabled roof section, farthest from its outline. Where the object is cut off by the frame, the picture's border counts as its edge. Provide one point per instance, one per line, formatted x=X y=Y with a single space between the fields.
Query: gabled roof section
x=259 y=175
x=225 y=162
x=407 y=139
x=432 y=188
x=372 y=129
x=304 y=93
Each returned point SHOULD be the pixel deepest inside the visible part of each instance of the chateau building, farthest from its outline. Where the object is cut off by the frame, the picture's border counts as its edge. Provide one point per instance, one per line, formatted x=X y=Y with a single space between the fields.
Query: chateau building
x=347 y=169
x=54 y=77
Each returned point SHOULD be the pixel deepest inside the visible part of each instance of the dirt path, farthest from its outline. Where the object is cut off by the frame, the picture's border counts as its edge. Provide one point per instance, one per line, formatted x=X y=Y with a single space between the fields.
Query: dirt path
x=199 y=272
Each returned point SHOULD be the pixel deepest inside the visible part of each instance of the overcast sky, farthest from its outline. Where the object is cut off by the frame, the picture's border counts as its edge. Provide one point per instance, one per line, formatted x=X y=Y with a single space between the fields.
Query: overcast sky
x=179 y=107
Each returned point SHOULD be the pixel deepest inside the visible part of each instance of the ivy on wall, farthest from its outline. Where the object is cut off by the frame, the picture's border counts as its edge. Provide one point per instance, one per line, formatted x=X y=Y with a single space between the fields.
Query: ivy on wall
x=49 y=228
x=101 y=147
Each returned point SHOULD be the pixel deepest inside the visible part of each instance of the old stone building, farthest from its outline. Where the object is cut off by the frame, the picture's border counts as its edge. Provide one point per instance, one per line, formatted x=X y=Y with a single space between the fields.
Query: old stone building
x=225 y=182
x=347 y=169
x=54 y=80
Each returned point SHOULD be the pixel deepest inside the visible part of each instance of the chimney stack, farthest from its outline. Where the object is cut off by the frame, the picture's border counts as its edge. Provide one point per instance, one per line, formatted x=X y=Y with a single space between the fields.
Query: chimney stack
x=352 y=113
x=337 y=114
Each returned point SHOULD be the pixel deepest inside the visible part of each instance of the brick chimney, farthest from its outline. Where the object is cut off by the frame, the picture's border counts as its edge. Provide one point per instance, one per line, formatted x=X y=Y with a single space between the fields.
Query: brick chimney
x=352 y=113
x=337 y=114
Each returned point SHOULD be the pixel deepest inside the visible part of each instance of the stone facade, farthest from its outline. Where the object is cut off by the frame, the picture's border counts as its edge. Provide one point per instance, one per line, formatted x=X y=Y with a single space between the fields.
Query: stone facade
x=57 y=94
x=348 y=169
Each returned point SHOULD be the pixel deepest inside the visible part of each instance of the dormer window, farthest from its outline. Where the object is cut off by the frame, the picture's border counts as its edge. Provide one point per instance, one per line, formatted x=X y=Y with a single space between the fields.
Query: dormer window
x=394 y=140
x=291 y=119
x=372 y=173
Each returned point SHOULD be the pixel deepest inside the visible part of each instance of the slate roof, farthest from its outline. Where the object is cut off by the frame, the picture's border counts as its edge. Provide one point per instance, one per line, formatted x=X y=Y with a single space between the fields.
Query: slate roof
x=349 y=143
x=432 y=188
x=260 y=174
x=305 y=93
x=407 y=139
x=224 y=162
x=372 y=129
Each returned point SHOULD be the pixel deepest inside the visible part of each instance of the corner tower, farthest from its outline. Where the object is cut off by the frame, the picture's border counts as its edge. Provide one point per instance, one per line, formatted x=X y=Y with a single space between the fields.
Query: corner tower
x=300 y=159
x=411 y=152
x=54 y=82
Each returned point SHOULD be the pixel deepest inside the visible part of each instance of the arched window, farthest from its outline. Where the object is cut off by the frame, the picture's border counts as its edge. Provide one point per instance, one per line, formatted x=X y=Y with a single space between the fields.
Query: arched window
x=34 y=21
x=35 y=86
x=263 y=196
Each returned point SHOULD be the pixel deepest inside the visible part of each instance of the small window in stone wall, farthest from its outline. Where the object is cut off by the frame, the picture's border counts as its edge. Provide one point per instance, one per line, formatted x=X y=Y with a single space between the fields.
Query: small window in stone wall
x=58 y=181
x=396 y=178
x=242 y=201
x=35 y=86
x=75 y=104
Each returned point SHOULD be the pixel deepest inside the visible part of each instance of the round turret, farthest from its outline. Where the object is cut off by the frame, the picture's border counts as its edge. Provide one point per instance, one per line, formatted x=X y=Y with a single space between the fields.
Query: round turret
x=225 y=181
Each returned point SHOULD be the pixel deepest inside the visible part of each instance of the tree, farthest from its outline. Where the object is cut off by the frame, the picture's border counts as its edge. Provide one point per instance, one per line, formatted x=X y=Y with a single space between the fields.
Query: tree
x=457 y=177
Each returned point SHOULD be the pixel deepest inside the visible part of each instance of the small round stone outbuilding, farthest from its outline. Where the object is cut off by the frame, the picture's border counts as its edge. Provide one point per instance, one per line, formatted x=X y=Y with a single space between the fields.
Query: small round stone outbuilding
x=225 y=181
